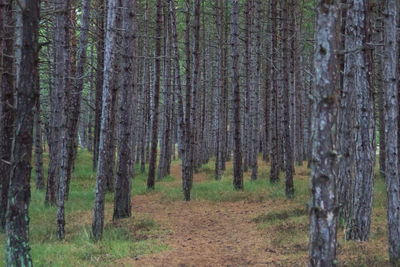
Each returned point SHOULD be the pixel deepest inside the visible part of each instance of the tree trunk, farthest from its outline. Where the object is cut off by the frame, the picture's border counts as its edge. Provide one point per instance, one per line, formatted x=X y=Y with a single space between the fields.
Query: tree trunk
x=237 y=154
x=99 y=80
x=391 y=135
x=381 y=89
x=155 y=111
x=288 y=150
x=358 y=69
x=122 y=199
x=274 y=174
x=187 y=161
x=323 y=205
x=61 y=79
x=38 y=140
x=106 y=133
x=6 y=102
x=76 y=94
x=17 y=224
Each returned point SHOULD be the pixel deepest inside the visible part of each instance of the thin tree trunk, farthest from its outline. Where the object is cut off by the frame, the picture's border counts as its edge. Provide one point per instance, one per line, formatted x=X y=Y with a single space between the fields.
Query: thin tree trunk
x=6 y=102
x=38 y=140
x=155 y=111
x=17 y=223
x=323 y=205
x=275 y=168
x=99 y=80
x=76 y=94
x=62 y=61
x=122 y=199
x=237 y=156
x=391 y=135
x=106 y=133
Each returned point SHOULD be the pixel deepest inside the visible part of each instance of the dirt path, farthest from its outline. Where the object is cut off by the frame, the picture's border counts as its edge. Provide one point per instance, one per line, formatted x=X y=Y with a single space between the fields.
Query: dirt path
x=205 y=233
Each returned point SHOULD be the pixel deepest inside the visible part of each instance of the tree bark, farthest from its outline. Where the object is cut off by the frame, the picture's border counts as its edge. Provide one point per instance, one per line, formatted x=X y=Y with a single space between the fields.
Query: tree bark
x=288 y=150
x=7 y=88
x=275 y=168
x=38 y=140
x=155 y=111
x=110 y=65
x=237 y=156
x=391 y=135
x=17 y=224
x=76 y=94
x=323 y=205
x=99 y=80
x=358 y=68
x=62 y=82
x=122 y=199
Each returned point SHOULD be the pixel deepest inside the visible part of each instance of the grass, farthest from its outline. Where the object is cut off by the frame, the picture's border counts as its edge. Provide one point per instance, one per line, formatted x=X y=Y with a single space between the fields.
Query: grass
x=284 y=226
x=78 y=249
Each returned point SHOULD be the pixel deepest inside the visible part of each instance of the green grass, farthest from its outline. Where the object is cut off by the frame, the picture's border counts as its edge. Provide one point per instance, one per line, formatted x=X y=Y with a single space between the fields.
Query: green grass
x=78 y=249
x=285 y=222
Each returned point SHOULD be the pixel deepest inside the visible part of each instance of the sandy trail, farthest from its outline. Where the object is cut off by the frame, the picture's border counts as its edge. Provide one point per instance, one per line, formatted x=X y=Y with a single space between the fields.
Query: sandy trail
x=204 y=233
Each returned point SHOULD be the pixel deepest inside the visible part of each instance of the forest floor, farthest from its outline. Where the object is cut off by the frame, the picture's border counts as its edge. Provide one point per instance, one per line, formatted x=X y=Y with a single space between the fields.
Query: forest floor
x=218 y=227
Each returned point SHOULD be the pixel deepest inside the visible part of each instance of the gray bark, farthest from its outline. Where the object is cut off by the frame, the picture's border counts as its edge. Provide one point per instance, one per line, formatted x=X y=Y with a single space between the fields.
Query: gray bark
x=122 y=199
x=61 y=79
x=7 y=88
x=17 y=223
x=237 y=153
x=323 y=206
x=155 y=111
x=274 y=121
x=106 y=132
x=391 y=135
x=358 y=68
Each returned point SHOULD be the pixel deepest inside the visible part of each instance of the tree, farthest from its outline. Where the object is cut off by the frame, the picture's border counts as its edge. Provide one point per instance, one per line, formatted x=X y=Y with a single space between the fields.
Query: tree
x=110 y=64
x=17 y=223
x=289 y=161
x=6 y=102
x=77 y=88
x=324 y=156
x=62 y=83
x=156 y=96
x=358 y=69
x=391 y=136
x=122 y=198
x=274 y=175
x=237 y=156
x=187 y=160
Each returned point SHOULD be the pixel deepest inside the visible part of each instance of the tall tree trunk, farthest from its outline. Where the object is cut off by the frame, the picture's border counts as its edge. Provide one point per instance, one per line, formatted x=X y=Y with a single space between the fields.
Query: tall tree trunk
x=391 y=135
x=237 y=156
x=359 y=66
x=6 y=102
x=38 y=140
x=323 y=205
x=181 y=121
x=76 y=94
x=17 y=223
x=346 y=127
x=381 y=89
x=106 y=133
x=99 y=80
x=62 y=82
x=288 y=150
x=155 y=111
x=122 y=199
x=165 y=148
x=256 y=95
x=274 y=174
x=187 y=161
